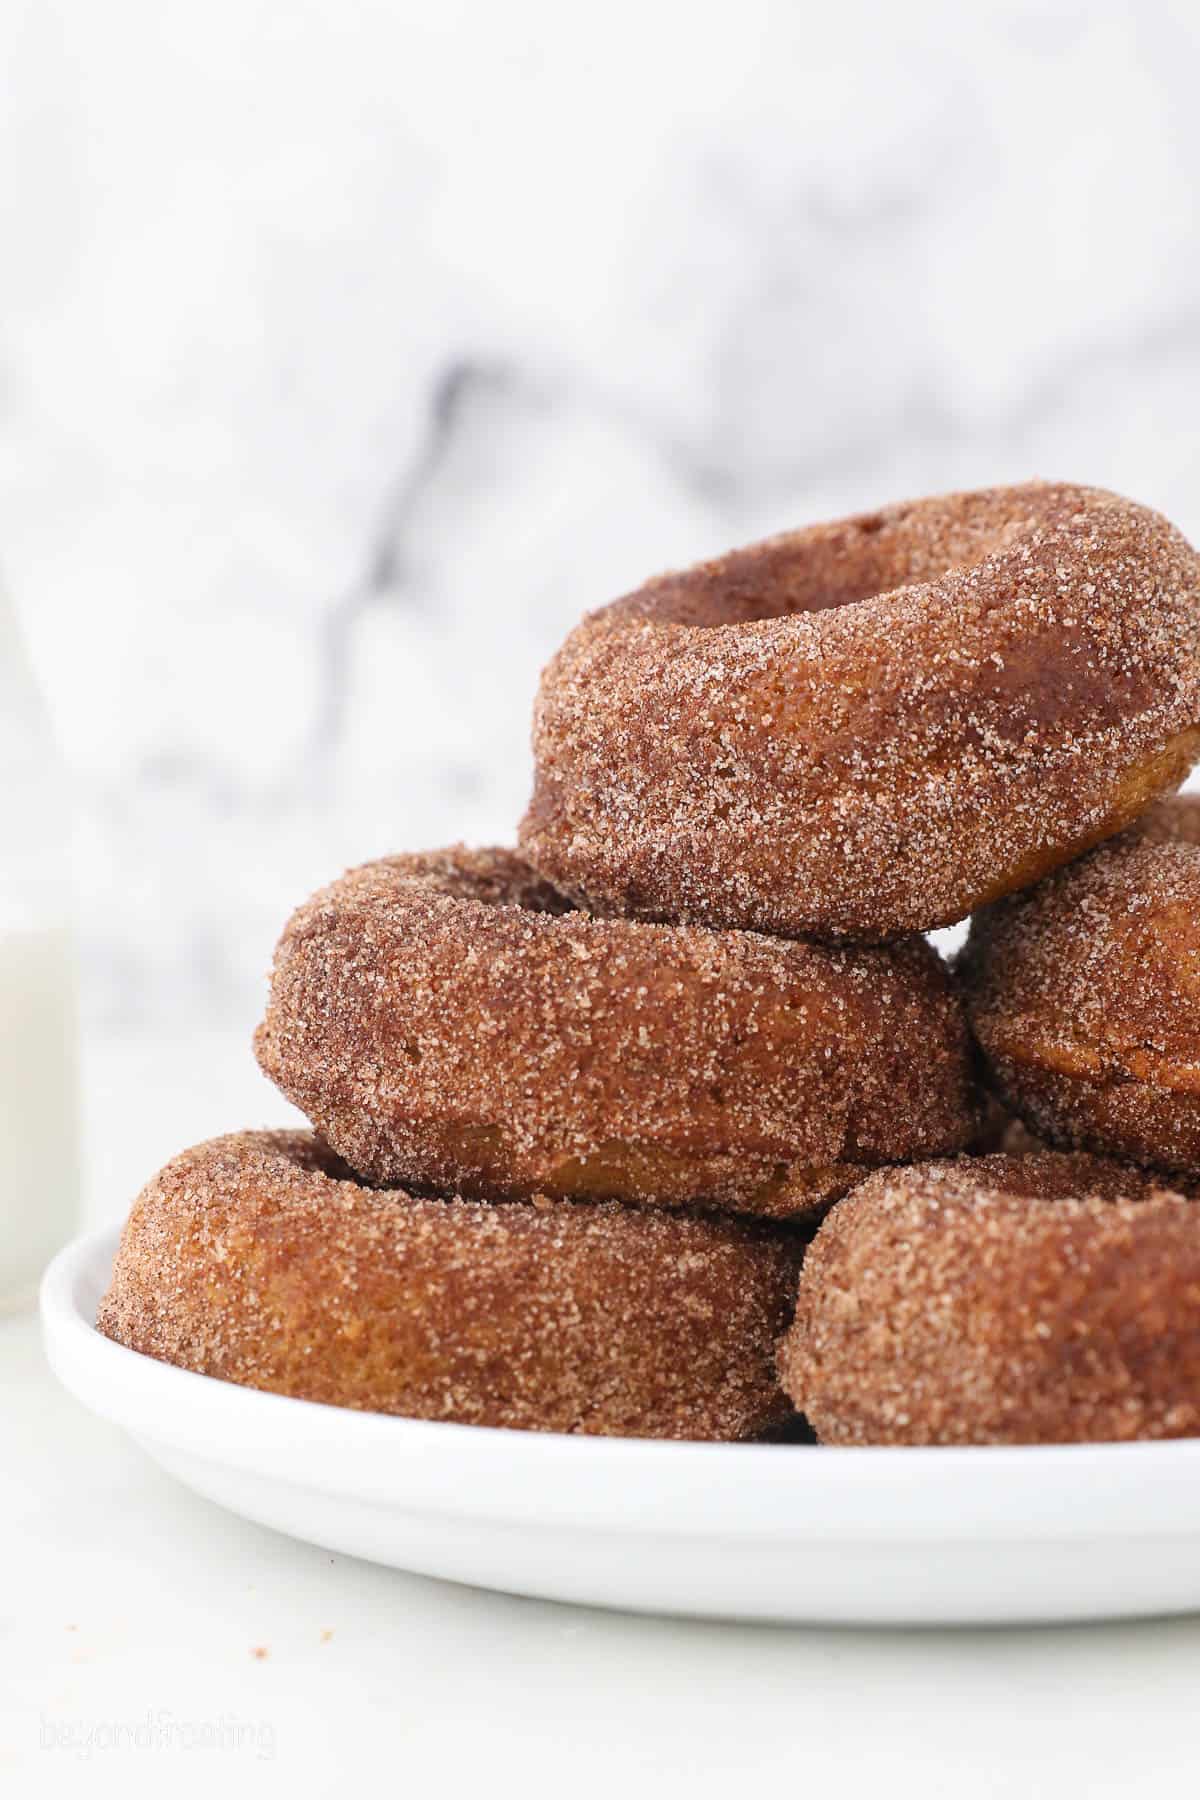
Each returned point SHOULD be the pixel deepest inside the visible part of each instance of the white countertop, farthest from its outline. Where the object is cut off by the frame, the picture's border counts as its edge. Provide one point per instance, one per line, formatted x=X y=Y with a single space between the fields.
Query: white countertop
x=128 y=1602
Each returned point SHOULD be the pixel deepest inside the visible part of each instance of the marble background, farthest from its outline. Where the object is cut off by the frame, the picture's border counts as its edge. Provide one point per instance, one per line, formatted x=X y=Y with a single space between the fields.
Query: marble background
x=348 y=352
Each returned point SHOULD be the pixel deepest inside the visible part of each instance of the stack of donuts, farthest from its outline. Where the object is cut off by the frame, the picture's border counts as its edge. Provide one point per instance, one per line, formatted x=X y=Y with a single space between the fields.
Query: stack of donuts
x=672 y=1122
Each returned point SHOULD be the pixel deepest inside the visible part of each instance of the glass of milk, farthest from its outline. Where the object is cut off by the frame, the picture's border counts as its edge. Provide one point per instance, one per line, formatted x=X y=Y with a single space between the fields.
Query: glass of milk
x=39 y=1104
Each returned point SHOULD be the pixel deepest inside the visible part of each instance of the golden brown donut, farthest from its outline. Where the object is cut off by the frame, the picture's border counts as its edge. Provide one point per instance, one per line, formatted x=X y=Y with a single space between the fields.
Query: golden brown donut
x=1084 y=995
x=1000 y=1300
x=874 y=726
x=443 y=1021
x=258 y=1259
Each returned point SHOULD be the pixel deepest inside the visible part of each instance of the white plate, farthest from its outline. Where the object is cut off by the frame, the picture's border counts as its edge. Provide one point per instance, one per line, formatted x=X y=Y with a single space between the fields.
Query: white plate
x=745 y=1531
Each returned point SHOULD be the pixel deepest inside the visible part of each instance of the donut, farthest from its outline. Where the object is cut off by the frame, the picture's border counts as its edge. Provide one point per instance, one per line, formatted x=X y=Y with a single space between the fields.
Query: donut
x=447 y=1020
x=1084 y=995
x=258 y=1259
x=1000 y=1300
x=871 y=727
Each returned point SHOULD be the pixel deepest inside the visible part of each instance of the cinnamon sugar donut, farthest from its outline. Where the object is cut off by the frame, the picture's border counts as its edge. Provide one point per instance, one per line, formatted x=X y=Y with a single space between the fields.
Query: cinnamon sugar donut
x=874 y=726
x=1085 y=995
x=1004 y=1300
x=447 y=1020
x=257 y=1259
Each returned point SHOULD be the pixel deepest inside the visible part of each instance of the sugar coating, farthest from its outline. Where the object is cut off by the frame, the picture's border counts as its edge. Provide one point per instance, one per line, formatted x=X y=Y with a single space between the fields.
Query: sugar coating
x=1085 y=995
x=873 y=726
x=445 y=1020
x=257 y=1259
x=1002 y=1300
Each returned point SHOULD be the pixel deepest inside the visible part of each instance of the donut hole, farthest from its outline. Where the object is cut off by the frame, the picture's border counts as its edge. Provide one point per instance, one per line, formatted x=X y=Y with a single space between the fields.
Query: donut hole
x=309 y=1153
x=492 y=877
x=830 y=566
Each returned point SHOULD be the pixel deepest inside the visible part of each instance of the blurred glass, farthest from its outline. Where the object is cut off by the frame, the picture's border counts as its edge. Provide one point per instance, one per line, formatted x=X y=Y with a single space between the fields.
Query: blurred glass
x=39 y=1089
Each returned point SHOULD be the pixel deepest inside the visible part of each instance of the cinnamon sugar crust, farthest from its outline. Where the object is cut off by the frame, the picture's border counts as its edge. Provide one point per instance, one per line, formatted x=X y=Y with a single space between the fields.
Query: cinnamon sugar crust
x=1001 y=1300
x=871 y=727
x=1084 y=995
x=447 y=1021
x=256 y=1259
